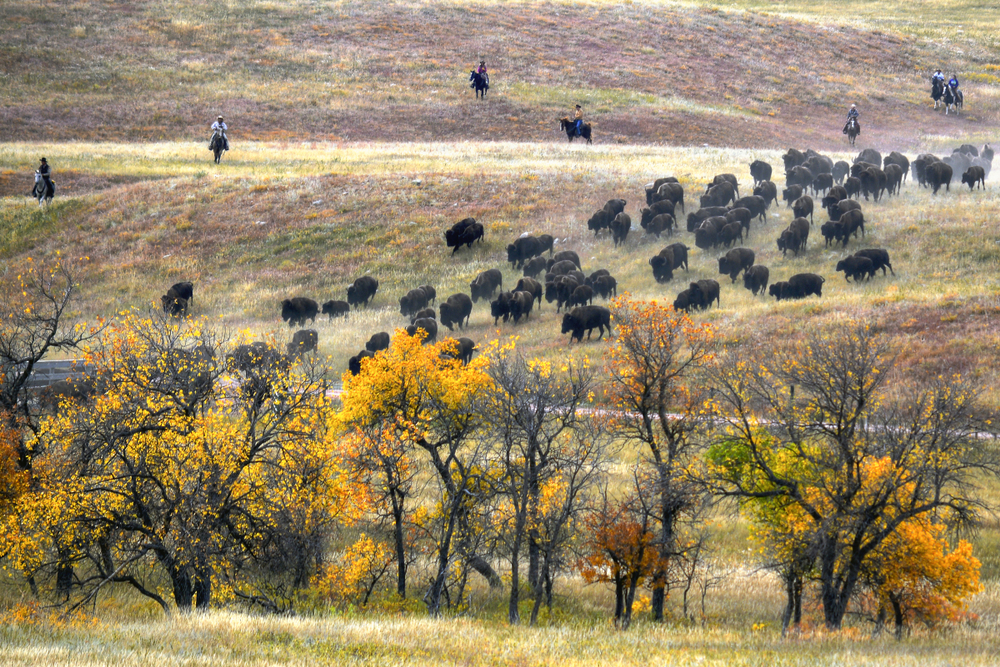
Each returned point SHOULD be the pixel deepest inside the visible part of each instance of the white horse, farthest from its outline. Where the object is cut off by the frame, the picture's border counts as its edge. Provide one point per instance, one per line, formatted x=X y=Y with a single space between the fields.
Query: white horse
x=44 y=190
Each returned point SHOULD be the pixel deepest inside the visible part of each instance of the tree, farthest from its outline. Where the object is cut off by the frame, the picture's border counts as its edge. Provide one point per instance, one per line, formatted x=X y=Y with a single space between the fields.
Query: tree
x=433 y=402
x=838 y=456
x=185 y=467
x=530 y=411
x=652 y=363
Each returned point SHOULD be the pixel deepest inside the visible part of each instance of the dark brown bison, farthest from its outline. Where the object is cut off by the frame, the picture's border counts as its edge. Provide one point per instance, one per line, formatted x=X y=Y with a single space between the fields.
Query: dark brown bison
x=336 y=309
x=184 y=290
x=456 y=310
x=858 y=268
x=703 y=214
x=563 y=256
x=795 y=237
x=799 y=176
x=734 y=261
x=452 y=236
x=755 y=204
x=586 y=318
x=524 y=249
x=413 y=301
x=659 y=224
x=606 y=286
x=897 y=159
x=768 y=191
x=299 y=309
x=378 y=341
x=869 y=155
x=760 y=171
x=620 y=227
x=791 y=193
x=362 y=291
x=583 y=295
x=893 y=178
x=822 y=183
x=879 y=258
x=520 y=305
x=798 y=286
x=500 y=307
x=793 y=158
x=427 y=325
x=486 y=283
x=303 y=341
x=468 y=236
x=852 y=221
x=755 y=278
x=974 y=176
x=462 y=351
x=719 y=195
x=832 y=232
x=174 y=305
x=674 y=192
x=802 y=207
x=428 y=312
x=532 y=287
x=740 y=215
x=645 y=215
x=727 y=178
x=534 y=266
x=704 y=292
x=354 y=363
x=840 y=171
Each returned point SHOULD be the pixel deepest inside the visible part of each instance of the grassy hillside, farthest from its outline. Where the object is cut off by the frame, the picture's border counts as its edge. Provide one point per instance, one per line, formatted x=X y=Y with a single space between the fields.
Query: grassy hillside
x=741 y=75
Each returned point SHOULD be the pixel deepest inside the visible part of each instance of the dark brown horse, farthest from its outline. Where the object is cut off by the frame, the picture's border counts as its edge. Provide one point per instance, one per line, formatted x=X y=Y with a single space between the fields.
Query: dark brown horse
x=853 y=130
x=569 y=127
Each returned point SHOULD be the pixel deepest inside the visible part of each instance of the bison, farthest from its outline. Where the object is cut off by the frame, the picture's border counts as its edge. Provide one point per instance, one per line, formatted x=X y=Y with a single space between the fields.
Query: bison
x=532 y=287
x=354 y=363
x=378 y=341
x=760 y=171
x=879 y=258
x=456 y=310
x=524 y=249
x=620 y=227
x=362 y=291
x=755 y=279
x=974 y=176
x=427 y=325
x=856 y=267
x=299 y=309
x=486 y=283
x=802 y=207
x=734 y=261
x=336 y=309
x=303 y=341
x=586 y=318
x=413 y=301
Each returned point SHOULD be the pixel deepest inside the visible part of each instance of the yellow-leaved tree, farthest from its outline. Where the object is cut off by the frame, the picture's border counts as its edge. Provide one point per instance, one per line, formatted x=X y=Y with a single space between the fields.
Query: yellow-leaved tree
x=214 y=467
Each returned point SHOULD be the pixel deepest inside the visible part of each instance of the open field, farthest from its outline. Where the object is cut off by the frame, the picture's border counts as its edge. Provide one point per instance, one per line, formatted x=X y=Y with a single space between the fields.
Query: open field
x=356 y=143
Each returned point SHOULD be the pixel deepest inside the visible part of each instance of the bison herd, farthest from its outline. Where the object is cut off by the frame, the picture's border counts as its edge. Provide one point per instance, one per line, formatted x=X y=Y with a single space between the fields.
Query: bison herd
x=724 y=220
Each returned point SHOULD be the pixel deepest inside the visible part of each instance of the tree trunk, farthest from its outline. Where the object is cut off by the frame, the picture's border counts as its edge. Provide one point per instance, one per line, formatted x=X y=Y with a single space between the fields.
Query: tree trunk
x=400 y=545
x=513 y=613
x=444 y=556
x=180 y=578
x=897 y=612
x=203 y=589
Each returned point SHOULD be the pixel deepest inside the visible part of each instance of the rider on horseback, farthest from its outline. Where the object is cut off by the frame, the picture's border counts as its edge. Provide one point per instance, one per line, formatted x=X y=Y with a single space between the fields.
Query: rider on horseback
x=482 y=71
x=219 y=127
x=578 y=119
x=853 y=114
x=953 y=84
x=938 y=78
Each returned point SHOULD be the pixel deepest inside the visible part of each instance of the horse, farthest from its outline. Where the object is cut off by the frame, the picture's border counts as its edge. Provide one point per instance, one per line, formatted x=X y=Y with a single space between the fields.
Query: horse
x=481 y=82
x=937 y=91
x=952 y=100
x=44 y=190
x=569 y=126
x=218 y=145
x=853 y=130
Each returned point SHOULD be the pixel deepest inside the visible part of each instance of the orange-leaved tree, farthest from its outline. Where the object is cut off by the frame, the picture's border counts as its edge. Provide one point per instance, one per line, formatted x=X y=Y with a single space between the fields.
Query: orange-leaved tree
x=658 y=404
x=432 y=404
x=813 y=432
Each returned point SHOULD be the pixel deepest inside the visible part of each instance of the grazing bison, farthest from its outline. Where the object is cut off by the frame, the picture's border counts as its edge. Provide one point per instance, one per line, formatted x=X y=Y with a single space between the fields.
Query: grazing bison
x=486 y=283
x=740 y=215
x=469 y=235
x=299 y=309
x=879 y=258
x=704 y=292
x=663 y=265
x=452 y=236
x=581 y=296
x=249 y=358
x=354 y=363
x=659 y=224
x=802 y=207
x=336 y=309
x=534 y=266
x=673 y=192
x=620 y=227
x=755 y=278
x=413 y=301
x=562 y=268
x=760 y=171
x=856 y=267
x=600 y=220
x=524 y=249
x=378 y=341
x=653 y=188
x=707 y=235
x=659 y=208
x=605 y=286
x=586 y=318
x=730 y=233
x=174 y=305
x=456 y=310
x=791 y=193
x=362 y=291
x=768 y=191
x=840 y=171
x=303 y=341
x=734 y=261
x=184 y=290
x=703 y=214
x=755 y=204
x=973 y=176
x=427 y=325
x=426 y=312
x=794 y=237
x=798 y=286
x=727 y=178
x=532 y=287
